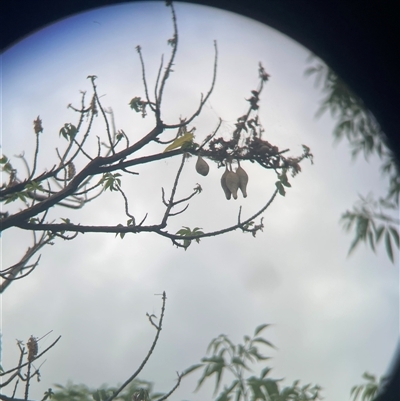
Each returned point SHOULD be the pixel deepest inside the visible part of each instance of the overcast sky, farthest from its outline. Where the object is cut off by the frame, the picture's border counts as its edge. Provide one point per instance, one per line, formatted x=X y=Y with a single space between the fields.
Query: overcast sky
x=333 y=317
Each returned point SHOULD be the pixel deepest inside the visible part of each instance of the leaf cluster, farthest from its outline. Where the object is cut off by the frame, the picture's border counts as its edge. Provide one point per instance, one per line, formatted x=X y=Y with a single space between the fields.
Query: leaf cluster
x=372 y=220
x=235 y=360
x=369 y=390
x=137 y=390
x=187 y=232
x=371 y=224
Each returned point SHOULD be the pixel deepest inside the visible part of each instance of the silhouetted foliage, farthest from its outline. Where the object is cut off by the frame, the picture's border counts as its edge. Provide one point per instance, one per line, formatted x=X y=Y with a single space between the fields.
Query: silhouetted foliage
x=371 y=220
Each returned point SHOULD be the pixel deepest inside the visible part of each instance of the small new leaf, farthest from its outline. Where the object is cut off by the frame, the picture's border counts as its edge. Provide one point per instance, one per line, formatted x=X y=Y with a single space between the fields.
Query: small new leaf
x=138 y=105
x=388 y=244
x=263 y=341
x=260 y=328
x=68 y=131
x=186 y=231
x=198 y=188
x=111 y=181
x=192 y=369
x=280 y=188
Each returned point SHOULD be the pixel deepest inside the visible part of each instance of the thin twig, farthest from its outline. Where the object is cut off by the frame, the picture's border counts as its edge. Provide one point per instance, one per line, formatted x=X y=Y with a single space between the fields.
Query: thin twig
x=158 y=78
x=131 y=378
x=92 y=79
x=203 y=100
x=171 y=199
x=174 y=44
x=126 y=205
x=164 y=397
x=35 y=156
x=138 y=48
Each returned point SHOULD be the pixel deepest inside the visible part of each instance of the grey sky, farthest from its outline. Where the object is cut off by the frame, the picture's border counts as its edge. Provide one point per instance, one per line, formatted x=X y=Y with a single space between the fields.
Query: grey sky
x=334 y=317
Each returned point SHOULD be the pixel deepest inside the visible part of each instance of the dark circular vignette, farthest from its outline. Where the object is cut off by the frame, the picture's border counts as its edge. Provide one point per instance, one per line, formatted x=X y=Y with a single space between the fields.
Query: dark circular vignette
x=358 y=39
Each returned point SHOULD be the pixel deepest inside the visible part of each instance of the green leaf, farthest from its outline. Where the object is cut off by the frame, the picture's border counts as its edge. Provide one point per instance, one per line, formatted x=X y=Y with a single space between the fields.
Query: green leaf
x=237 y=361
x=34 y=186
x=369 y=377
x=213 y=359
x=283 y=178
x=179 y=142
x=184 y=231
x=17 y=195
x=264 y=372
x=260 y=328
x=280 y=188
x=111 y=181
x=395 y=235
x=192 y=369
x=255 y=385
x=254 y=352
x=354 y=245
x=371 y=240
x=224 y=396
x=96 y=396
x=136 y=104
x=388 y=244
x=69 y=131
x=264 y=341
x=378 y=233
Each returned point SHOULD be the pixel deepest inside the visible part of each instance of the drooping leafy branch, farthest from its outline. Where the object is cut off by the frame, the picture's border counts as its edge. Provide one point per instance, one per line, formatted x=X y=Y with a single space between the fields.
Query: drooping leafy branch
x=30 y=197
x=371 y=220
x=369 y=390
x=229 y=359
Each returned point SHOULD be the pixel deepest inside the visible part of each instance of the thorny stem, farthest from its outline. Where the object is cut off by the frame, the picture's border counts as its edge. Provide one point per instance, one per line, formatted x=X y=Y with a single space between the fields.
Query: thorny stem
x=92 y=78
x=168 y=68
x=28 y=379
x=159 y=328
x=164 y=397
x=203 y=100
x=82 y=112
x=126 y=205
x=35 y=157
x=158 y=78
x=144 y=79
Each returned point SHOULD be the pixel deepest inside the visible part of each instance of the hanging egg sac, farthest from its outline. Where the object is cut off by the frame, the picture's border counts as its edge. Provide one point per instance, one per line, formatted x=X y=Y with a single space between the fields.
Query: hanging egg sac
x=243 y=180
x=232 y=182
x=224 y=186
x=201 y=166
